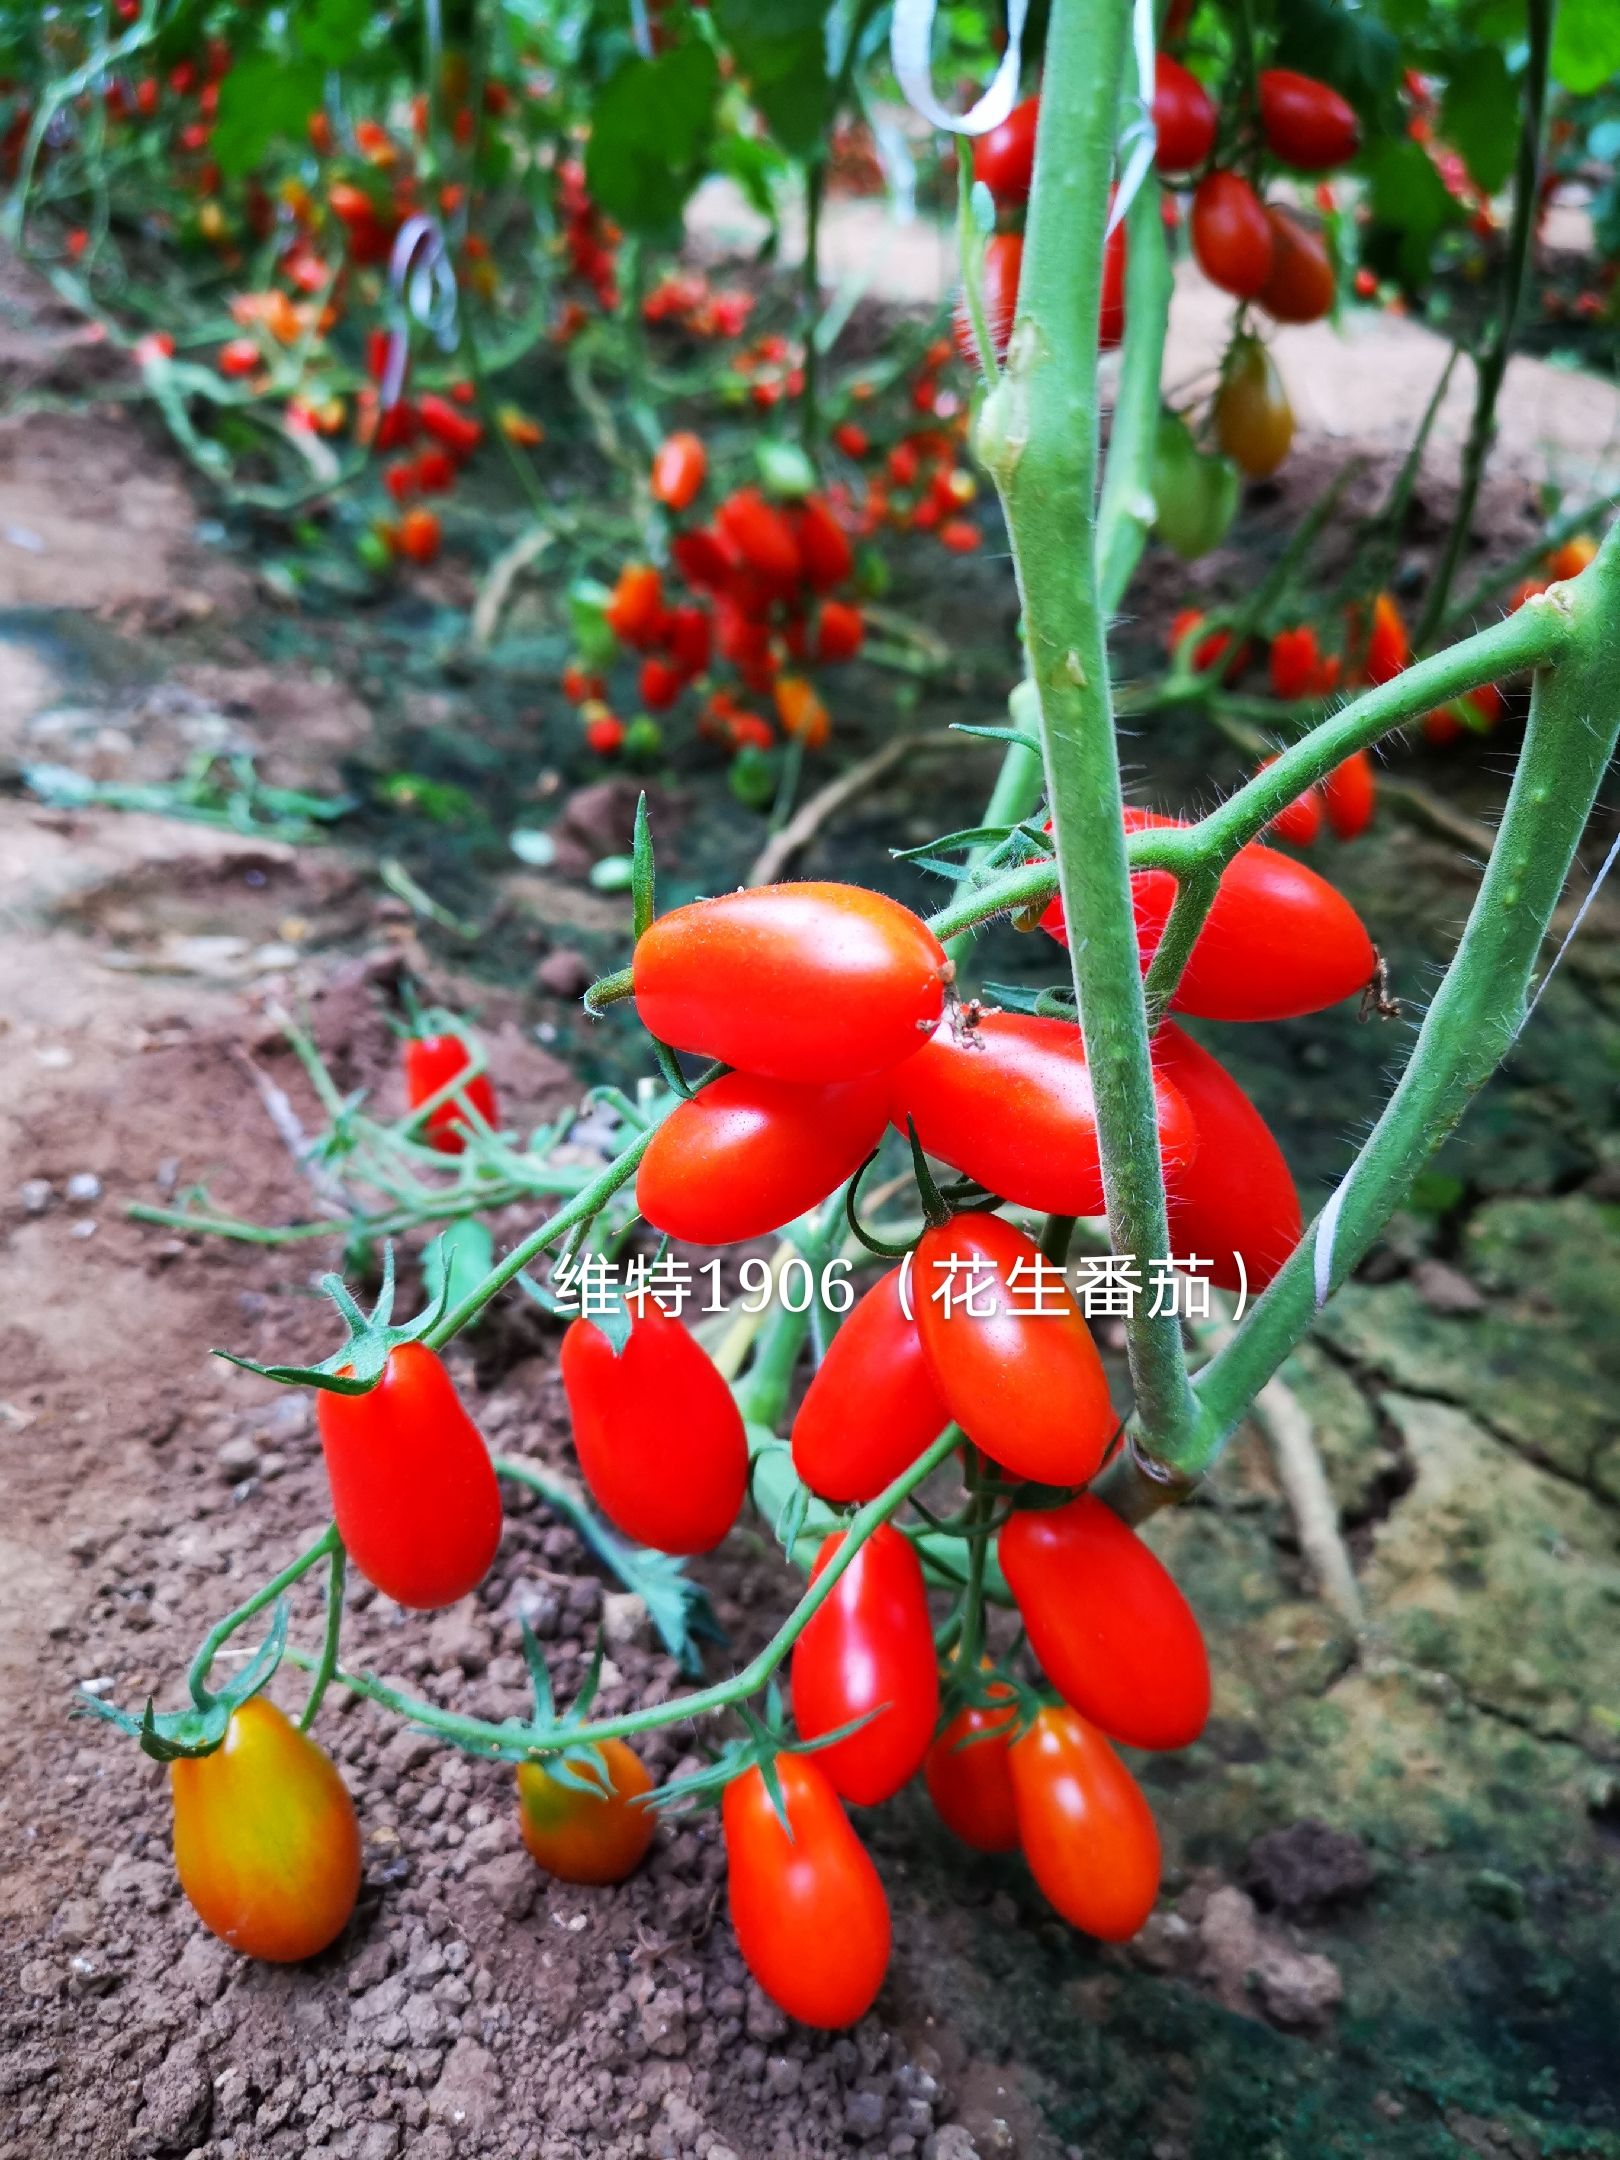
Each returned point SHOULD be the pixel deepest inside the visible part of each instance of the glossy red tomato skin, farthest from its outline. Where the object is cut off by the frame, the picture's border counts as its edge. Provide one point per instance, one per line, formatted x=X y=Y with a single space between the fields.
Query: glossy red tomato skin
x=1279 y=940
x=998 y=291
x=1009 y=1104
x=1389 y=650
x=1293 y=663
x=266 y=1844
x=1027 y=1387
x=1112 y=1632
x=872 y=1407
x=1087 y=1832
x=1350 y=795
x=870 y=1647
x=808 y=1911
x=413 y=1487
x=1298 y=822
x=1239 y=1195
x=636 y=608
x=659 y=1436
x=678 y=470
x=812 y=983
x=826 y=558
x=760 y=536
x=1230 y=236
x=747 y=1155
x=969 y=1778
x=431 y=1061
x=1305 y=123
x=586 y=1837
x=1004 y=159
x=1183 y=117
x=1301 y=286
x=1111 y=304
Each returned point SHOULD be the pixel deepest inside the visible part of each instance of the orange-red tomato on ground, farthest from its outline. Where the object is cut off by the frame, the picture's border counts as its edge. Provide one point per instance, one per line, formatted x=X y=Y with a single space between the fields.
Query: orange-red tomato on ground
x=1010 y=1353
x=809 y=1912
x=587 y=1837
x=812 y=982
x=1231 y=237
x=413 y=1488
x=1008 y=1102
x=872 y=1406
x=420 y=535
x=1304 y=122
x=1087 y=1832
x=1238 y=1195
x=869 y=1649
x=266 y=1844
x=746 y=1155
x=1350 y=795
x=969 y=1777
x=432 y=1062
x=1111 y=1630
x=679 y=470
x=658 y=1433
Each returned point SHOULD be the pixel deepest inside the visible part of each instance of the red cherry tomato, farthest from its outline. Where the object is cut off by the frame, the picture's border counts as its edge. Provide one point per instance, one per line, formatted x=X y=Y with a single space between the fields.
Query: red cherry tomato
x=636 y=611
x=265 y=1839
x=431 y=1061
x=998 y=291
x=660 y=684
x=1294 y=662
x=796 y=982
x=458 y=431
x=1087 y=1833
x=969 y=1777
x=1113 y=1634
x=1238 y=1196
x=688 y=638
x=1389 y=651
x=870 y=1647
x=1300 y=824
x=1230 y=235
x=1004 y=159
x=872 y=1407
x=747 y=1155
x=701 y=560
x=1111 y=305
x=1008 y=1103
x=413 y=1488
x=809 y=1912
x=587 y=1837
x=760 y=537
x=826 y=558
x=1350 y=795
x=1304 y=122
x=840 y=632
x=659 y=1437
x=1279 y=940
x=420 y=535
x=679 y=470
x=1016 y=1366
x=1183 y=117
x=1301 y=286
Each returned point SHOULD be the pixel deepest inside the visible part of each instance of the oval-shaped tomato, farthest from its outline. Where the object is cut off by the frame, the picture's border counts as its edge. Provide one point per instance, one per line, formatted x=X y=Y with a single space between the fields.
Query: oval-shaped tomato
x=1004 y=159
x=431 y=1062
x=1350 y=795
x=869 y=1648
x=999 y=273
x=826 y=558
x=1389 y=650
x=413 y=1488
x=1279 y=940
x=1230 y=235
x=679 y=470
x=747 y=1155
x=1254 y=422
x=969 y=1778
x=797 y=982
x=1301 y=286
x=760 y=537
x=658 y=1433
x=1299 y=822
x=635 y=613
x=1294 y=663
x=1010 y=1353
x=872 y=1407
x=1183 y=117
x=1087 y=1832
x=265 y=1839
x=1008 y=1102
x=1238 y=1197
x=840 y=631
x=587 y=1837
x=1305 y=123
x=807 y=1908
x=1113 y=1634
x=1195 y=497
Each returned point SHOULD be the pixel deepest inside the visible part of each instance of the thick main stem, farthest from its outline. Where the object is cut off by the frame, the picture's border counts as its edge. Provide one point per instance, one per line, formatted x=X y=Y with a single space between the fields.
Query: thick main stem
x=1038 y=438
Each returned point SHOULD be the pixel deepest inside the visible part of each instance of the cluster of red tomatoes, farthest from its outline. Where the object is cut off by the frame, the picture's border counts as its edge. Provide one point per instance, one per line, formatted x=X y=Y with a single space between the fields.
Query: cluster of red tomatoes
x=917 y=482
x=590 y=245
x=766 y=592
x=685 y=300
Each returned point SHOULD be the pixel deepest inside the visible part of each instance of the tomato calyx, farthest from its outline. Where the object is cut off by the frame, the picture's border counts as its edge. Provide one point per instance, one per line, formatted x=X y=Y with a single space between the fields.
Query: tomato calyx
x=173 y=1735
x=764 y=1740
x=357 y=1365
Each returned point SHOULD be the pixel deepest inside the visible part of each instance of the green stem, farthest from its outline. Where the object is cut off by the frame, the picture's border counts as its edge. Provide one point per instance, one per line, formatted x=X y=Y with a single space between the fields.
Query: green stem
x=334 y=1632
x=222 y=1630
x=1126 y=510
x=1038 y=437
x=1491 y=366
x=815 y=185
x=480 y=1734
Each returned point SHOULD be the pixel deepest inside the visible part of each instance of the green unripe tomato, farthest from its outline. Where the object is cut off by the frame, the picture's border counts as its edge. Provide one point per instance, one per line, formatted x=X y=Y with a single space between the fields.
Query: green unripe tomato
x=1196 y=497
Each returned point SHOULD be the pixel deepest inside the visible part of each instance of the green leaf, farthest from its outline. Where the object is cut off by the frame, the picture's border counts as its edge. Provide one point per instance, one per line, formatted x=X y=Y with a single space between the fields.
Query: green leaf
x=1344 y=46
x=780 y=47
x=333 y=31
x=643 y=892
x=650 y=136
x=262 y=101
x=1586 y=45
x=1479 y=115
x=1409 y=198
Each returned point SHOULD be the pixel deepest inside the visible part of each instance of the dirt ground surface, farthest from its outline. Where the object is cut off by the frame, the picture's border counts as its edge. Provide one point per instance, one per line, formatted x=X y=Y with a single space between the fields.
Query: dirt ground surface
x=1387 y=1926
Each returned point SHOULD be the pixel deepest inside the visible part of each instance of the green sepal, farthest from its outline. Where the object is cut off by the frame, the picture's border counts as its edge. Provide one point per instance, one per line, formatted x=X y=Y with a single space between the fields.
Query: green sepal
x=372 y=1337
x=169 y=1735
x=933 y=1206
x=1020 y=736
